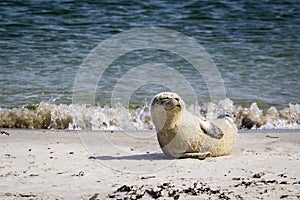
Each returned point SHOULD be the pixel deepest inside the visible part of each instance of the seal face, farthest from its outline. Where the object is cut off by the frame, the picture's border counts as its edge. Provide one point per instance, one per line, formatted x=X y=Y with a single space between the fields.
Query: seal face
x=183 y=135
x=166 y=106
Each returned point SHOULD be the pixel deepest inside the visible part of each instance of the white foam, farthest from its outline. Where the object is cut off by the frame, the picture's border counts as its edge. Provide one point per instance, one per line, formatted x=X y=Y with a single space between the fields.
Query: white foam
x=80 y=117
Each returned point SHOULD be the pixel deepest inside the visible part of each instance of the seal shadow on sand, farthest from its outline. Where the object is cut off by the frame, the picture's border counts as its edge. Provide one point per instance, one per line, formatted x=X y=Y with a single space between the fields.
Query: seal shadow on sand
x=147 y=156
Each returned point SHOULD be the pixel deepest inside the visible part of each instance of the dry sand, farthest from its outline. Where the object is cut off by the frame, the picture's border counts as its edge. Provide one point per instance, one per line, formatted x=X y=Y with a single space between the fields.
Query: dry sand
x=52 y=164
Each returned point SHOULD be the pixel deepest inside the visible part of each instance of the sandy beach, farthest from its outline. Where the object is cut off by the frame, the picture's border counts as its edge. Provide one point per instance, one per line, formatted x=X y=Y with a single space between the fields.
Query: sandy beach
x=60 y=164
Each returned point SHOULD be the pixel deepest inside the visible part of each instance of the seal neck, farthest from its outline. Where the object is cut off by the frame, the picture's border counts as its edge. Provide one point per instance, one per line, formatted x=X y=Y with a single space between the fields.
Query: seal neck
x=173 y=121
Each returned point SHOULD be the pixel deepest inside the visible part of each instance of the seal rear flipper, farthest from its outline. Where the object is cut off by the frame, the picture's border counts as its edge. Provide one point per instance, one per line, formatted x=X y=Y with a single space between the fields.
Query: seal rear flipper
x=199 y=155
x=211 y=129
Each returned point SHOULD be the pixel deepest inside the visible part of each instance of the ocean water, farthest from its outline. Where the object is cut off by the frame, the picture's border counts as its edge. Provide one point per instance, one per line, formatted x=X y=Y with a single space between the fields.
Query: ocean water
x=254 y=44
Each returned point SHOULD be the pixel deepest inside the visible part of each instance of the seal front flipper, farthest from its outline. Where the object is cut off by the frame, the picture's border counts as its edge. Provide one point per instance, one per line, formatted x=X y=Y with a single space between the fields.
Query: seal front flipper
x=211 y=129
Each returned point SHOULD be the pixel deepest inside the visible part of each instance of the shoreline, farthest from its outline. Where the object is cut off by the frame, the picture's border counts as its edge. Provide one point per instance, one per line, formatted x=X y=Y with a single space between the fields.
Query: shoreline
x=84 y=117
x=64 y=164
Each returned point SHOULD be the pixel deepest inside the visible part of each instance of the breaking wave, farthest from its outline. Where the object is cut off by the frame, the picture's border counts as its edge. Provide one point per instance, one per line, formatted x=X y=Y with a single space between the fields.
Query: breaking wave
x=80 y=117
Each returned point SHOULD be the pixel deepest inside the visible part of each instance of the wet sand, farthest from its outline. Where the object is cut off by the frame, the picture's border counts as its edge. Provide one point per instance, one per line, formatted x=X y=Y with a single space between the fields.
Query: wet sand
x=52 y=164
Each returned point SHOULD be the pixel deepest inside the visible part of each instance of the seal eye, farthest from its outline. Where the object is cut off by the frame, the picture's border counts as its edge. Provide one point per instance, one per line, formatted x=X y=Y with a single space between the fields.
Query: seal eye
x=155 y=101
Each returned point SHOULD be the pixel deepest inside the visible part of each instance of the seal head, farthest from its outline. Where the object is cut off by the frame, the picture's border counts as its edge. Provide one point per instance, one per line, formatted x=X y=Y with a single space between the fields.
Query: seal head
x=165 y=108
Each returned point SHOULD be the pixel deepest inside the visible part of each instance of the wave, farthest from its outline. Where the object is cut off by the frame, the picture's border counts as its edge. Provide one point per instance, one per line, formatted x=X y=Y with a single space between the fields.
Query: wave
x=81 y=117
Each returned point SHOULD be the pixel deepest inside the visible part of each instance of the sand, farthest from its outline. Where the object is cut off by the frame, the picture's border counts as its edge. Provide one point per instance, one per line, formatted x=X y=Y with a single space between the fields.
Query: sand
x=60 y=164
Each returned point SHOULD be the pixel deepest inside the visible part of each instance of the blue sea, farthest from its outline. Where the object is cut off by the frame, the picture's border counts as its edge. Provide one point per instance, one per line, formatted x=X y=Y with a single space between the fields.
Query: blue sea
x=255 y=46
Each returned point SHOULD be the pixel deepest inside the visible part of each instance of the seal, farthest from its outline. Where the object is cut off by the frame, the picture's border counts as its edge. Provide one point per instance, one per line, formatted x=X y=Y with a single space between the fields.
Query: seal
x=183 y=135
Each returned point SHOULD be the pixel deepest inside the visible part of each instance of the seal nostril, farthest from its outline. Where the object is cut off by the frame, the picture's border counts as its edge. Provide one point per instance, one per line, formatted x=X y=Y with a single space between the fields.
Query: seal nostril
x=177 y=99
